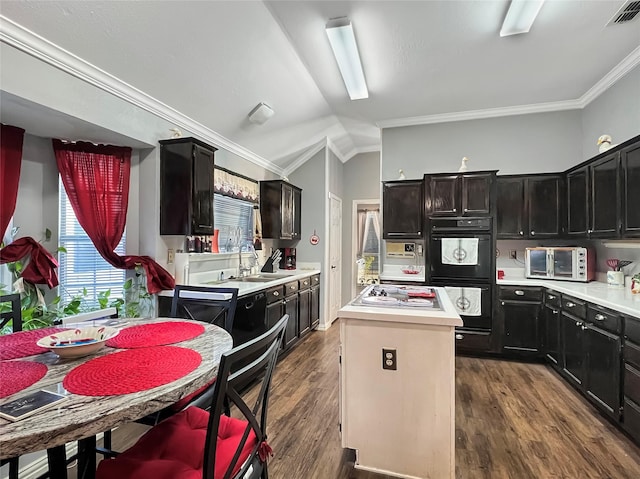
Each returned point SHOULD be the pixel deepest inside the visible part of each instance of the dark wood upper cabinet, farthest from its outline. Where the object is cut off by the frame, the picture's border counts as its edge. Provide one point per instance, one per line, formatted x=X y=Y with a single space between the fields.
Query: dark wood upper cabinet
x=280 y=210
x=530 y=206
x=186 y=187
x=630 y=164
x=578 y=218
x=402 y=209
x=462 y=194
x=605 y=196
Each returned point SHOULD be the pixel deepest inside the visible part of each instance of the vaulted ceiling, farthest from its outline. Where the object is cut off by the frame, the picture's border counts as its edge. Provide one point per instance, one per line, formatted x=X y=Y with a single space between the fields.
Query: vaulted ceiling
x=213 y=61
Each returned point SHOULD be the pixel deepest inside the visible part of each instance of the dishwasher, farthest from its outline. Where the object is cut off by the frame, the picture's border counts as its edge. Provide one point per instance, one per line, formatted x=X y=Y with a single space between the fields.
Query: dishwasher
x=249 y=321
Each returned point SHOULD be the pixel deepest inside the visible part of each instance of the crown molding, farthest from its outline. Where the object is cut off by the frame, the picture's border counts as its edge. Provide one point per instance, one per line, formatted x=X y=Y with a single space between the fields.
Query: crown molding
x=482 y=114
x=335 y=150
x=33 y=44
x=307 y=155
x=621 y=69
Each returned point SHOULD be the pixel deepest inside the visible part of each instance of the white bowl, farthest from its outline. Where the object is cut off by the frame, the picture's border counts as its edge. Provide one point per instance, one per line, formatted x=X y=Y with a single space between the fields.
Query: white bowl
x=75 y=343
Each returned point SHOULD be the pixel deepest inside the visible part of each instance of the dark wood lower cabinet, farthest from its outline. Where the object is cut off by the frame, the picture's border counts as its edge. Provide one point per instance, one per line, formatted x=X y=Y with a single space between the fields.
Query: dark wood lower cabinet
x=573 y=348
x=314 y=308
x=304 y=312
x=291 y=308
x=551 y=341
x=521 y=319
x=603 y=369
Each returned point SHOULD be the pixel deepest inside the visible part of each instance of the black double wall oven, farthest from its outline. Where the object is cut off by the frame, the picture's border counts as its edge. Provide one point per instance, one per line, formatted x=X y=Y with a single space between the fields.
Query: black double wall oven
x=461 y=259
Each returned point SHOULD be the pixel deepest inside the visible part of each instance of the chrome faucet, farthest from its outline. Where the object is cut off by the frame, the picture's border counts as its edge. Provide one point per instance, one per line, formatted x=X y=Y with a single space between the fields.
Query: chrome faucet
x=244 y=270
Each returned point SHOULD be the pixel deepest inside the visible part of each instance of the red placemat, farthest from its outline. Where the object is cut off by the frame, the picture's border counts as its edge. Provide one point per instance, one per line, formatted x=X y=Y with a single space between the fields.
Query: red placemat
x=23 y=343
x=18 y=375
x=157 y=334
x=131 y=371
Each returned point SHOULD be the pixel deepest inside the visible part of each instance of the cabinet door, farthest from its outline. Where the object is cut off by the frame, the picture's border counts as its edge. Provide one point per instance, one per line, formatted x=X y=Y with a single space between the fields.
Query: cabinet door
x=202 y=217
x=291 y=308
x=402 y=209
x=544 y=206
x=603 y=369
x=573 y=348
x=510 y=208
x=304 y=312
x=552 y=336
x=475 y=191
x=286 y=212
x=605 y=197
x=314 y=308
x=578 y=203
x=297 y=213
x=273 y=315
x=444 y=194
x=520 y=326
x=630 y=159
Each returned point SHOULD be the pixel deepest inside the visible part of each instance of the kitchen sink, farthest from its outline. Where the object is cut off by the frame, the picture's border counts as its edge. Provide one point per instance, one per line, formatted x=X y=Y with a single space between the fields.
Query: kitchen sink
x=253 y=279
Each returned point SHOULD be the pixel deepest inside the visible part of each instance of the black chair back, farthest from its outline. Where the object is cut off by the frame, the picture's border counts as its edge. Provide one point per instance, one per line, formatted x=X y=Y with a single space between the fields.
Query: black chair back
x=266 y=346
x=14 y=315
x=201 y=303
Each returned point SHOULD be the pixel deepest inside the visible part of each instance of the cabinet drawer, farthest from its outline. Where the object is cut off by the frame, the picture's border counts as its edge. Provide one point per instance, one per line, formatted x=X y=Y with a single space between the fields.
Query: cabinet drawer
x=632 y=354
x=632 y=383
x=575 y=307
x=304 y=283
x=552 y=298
x=315 y=280
x=473 y=340
x=631 y=421
x=291 y=288
x=275 y=294
x=604 y=318
x=520 y=293
x=632 y=329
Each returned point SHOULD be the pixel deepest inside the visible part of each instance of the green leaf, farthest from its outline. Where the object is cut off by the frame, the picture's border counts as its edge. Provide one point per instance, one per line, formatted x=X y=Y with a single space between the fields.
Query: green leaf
x=62 y=249
x=127 y=284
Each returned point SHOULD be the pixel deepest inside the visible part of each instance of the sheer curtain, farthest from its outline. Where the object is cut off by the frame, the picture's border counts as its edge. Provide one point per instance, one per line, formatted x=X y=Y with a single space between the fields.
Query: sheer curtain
x=96 y=179
x=41 y=266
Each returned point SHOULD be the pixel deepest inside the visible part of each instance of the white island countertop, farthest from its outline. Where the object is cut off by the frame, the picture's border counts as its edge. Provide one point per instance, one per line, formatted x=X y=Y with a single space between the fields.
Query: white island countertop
x=616 y=298
x=446 y=316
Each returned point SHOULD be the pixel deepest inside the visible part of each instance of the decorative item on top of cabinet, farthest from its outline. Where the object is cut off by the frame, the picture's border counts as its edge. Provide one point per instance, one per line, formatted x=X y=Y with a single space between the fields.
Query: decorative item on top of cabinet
x=186 y=187
x=402 y=209
x=530 y=206
x=280 y=210
x=455 y=194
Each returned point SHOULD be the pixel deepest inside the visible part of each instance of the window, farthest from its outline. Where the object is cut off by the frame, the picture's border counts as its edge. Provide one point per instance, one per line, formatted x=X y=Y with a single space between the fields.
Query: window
x=231 y=216
x=82 y=266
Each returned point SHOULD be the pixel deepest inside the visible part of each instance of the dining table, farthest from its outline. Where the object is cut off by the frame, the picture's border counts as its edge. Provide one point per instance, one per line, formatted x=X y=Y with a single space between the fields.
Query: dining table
x=82 y=417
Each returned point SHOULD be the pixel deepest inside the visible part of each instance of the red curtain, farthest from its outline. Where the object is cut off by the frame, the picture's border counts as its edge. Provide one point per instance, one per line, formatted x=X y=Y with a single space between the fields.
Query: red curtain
x=96 y=179
x=41 y=266
x=10 y=161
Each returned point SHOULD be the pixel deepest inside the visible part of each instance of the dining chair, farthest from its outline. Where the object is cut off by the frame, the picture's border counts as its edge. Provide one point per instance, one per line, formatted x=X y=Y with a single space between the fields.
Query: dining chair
x=196 y=443
x=201 y=303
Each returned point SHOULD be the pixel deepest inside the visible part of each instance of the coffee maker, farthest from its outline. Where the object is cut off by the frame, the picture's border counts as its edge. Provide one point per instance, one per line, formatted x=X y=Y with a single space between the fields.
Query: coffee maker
x=288 y=259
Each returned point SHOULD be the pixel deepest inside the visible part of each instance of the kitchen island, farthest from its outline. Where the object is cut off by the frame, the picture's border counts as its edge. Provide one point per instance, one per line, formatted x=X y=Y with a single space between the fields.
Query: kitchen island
x=397 y=380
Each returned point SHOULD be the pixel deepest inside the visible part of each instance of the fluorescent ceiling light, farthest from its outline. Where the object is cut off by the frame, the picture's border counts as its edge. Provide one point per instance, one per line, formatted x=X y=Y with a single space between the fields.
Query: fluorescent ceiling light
x=520 y=16
x=345 y=49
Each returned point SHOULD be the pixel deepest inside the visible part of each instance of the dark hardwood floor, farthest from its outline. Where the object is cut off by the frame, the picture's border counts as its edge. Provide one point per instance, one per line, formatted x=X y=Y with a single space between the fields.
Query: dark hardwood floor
x=513 y=420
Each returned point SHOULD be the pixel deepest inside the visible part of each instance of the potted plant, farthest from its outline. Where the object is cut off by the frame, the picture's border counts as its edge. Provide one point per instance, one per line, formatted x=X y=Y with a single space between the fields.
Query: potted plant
x=635 y=284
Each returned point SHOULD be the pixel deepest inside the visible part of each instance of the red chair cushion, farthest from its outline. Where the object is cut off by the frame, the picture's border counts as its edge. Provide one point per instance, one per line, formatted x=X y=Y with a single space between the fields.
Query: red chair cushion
x=184 y=402
x=174 y=449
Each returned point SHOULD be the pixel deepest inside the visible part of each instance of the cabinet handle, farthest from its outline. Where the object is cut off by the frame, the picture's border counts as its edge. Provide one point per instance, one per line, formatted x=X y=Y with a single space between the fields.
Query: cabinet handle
x=275 y=293
x=466 y=210
x=551 y=296
x=293 y=288
x=419 y=232
x=578 y=323
x=521 y=233
x=502 y=303
x=599 y=317
x=459 y=336
x=569 y=304
x=454 y=210
x=584 y=328
x=519 y=292
x=533 y=233
x=554 y=311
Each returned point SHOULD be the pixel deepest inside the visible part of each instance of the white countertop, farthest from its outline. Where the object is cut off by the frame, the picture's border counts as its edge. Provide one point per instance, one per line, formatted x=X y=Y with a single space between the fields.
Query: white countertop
x=393 y=272
x=245 y=288
x=616 y=298
x=445 y=317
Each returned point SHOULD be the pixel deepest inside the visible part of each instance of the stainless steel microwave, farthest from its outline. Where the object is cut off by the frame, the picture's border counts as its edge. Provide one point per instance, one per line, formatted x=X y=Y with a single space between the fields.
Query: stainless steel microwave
x=570 y=263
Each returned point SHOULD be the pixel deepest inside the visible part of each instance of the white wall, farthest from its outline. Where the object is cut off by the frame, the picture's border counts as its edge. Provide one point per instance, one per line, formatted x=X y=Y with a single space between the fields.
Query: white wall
x=616 y=112
x=516 y=144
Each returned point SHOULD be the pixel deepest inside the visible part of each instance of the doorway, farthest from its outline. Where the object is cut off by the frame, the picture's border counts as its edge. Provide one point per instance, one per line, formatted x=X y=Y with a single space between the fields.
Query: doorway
x=335 y=255
x=365 y=244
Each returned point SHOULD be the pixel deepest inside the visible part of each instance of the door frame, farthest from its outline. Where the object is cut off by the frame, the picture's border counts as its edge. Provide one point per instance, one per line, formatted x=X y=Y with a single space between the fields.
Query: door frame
x=327 y=282
x=354 y=245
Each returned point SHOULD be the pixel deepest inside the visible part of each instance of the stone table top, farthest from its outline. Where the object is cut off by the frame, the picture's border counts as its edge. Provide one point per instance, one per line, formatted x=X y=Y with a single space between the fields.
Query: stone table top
x=80 y=416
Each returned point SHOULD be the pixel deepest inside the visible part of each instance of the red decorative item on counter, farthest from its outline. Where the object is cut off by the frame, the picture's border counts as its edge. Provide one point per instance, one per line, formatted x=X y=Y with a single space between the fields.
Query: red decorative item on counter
x=157 y=334
x=23 y=343
x=19 y=375
x=131 y=371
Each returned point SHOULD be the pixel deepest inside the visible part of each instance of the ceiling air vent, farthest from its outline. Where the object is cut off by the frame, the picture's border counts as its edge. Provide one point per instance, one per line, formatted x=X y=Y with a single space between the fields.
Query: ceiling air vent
x=626 y=13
